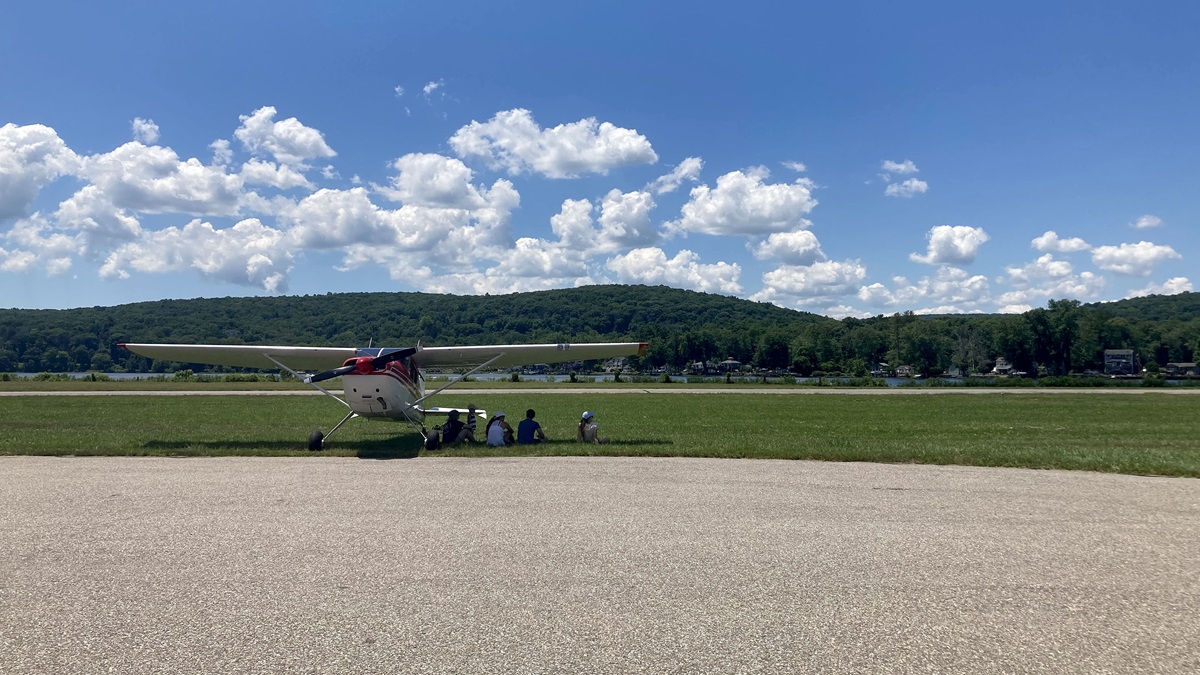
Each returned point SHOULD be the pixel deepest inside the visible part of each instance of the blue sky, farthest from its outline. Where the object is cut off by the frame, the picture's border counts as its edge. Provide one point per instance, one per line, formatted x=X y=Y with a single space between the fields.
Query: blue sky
x=848 y=159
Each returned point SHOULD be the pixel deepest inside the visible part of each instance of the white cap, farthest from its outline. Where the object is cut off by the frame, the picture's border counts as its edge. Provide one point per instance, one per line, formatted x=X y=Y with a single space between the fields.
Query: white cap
x=588 y=414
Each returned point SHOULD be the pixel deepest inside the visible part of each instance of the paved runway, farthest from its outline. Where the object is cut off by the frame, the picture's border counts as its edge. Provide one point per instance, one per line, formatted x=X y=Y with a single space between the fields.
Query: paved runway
x=599 y=565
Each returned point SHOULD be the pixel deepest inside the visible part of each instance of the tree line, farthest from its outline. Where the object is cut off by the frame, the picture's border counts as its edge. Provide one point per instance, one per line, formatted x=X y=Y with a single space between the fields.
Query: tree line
x=682 y=327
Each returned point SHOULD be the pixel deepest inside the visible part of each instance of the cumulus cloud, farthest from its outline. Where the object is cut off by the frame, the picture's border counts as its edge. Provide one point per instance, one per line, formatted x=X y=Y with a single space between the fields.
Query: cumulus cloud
x=951 y=244
x=152 y=179
x=35 y=243
x=434 y=180
x=144 y=131
x=1172 y=286
x=1138 y=259
x=651 y=266
x=284 y=177
x=514 y=142
x=808 y=285
x=688 y=169
x=1051 y=242
x=950 y=290
x=625 y=220
x=31 y=157
x=288 y=141
x=431 y=87
x=1147 y=221
x=903 y=168
x=1082 y=286
x=907 y=188
x=793 y=248
x=798 y=167
x=1045 y=267
x=742 y=204
x=247 y=254
x=99 y=223
x=222 y=152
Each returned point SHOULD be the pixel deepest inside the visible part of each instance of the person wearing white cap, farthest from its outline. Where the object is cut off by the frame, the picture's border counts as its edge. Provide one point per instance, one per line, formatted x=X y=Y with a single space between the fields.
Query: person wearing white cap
x=498 y=431
x=589 y=431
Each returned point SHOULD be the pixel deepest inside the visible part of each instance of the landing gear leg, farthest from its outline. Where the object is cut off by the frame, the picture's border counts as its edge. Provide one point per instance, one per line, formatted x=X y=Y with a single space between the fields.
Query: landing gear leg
x=316 y=440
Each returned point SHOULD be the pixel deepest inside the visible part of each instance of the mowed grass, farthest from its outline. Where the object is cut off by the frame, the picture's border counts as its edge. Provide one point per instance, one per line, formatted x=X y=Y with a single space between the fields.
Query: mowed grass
x=1150 y=433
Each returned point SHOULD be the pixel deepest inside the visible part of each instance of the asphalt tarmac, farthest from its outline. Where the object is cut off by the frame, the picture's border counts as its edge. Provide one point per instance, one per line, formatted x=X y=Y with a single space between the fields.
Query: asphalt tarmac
x=597 y=565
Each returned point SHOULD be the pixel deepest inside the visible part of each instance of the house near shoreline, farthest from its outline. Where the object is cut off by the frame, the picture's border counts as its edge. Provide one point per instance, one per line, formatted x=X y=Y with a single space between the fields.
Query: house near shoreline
x=1178 y=369
x=1121 y=362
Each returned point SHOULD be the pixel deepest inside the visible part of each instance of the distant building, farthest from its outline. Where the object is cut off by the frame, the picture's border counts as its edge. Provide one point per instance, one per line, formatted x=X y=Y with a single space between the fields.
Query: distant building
x=1182 y=369
x=904 y=371
x=1002 y=367
x=1121 y=362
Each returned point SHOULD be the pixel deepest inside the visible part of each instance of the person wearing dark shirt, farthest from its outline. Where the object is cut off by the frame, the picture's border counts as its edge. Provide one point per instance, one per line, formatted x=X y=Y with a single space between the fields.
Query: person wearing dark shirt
x=529 y=431
x=452 y=430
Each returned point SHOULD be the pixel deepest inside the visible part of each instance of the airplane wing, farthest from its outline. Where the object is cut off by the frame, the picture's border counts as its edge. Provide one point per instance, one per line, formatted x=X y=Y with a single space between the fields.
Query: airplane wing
x=521 y=355
x=248 y=356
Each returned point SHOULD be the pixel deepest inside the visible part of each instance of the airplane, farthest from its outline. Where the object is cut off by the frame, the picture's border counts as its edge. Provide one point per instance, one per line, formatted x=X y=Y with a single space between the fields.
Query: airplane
x=382 y=383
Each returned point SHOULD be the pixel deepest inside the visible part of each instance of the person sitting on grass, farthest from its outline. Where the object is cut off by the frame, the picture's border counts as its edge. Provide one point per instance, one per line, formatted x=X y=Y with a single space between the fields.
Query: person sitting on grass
x=498 y=432
x=452 y=430
x=529 y=431
x=589 y=431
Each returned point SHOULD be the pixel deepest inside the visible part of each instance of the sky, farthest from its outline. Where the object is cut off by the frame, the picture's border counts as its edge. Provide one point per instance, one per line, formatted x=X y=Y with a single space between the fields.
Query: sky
x=849 y=159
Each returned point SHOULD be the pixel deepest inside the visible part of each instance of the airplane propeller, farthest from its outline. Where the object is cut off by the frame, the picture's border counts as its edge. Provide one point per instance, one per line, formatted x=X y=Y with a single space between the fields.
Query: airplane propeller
x=362 y=365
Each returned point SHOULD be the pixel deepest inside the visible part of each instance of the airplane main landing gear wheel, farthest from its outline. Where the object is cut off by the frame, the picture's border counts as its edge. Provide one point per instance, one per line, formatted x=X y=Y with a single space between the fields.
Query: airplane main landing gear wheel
x=316 y=440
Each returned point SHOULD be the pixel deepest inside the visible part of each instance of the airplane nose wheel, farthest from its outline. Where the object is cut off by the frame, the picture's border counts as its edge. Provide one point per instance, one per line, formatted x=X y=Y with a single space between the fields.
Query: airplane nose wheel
x=316 y=440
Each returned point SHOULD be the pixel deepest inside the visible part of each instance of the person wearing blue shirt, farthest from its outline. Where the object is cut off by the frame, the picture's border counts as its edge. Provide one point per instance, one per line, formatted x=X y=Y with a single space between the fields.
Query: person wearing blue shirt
x=529 y=431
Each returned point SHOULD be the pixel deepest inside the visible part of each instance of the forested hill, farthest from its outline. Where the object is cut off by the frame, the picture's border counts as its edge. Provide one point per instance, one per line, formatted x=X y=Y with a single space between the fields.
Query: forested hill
x=1180 y=307
x=681 y=326
x=35 y=340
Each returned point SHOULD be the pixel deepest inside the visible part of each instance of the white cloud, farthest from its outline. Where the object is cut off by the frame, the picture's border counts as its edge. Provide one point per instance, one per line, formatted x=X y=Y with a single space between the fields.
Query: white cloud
x=284 y=177
x=100 y=223
x=330 y=173
x=144 y=131
x=950 y=290
x=956 y=245
x=1147 y=221
x=31 y=157
x=688 y=169
x=908 y=188
x=1045 y=267
x=742 y=204
x=399 y=91
x=288 y=141
x=1050 y=241
x=903 y=168
x=153 y=180
x=37 y=244
x=1172 y=286
x=247 y=254
x=798 y=167
x=222 y=152
x=1138 y=259
x=805 y=285
x=793 y=248
x=1082 y=286
x=513 y=141
x=651 y=266
x=573 y=224
x=431 y=87
x=434 y=180
x=625 y=221
x=537 y=258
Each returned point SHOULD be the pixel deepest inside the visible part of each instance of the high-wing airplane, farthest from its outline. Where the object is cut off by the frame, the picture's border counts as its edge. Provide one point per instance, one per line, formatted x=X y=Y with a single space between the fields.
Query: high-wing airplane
x=383 y=383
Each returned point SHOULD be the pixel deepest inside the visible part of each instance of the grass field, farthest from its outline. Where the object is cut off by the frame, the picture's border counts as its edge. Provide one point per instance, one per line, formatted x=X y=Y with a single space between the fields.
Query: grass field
x=1140 y=434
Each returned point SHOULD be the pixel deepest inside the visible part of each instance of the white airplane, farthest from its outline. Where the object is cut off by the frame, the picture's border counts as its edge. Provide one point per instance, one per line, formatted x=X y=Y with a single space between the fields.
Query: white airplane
x=381 y=383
